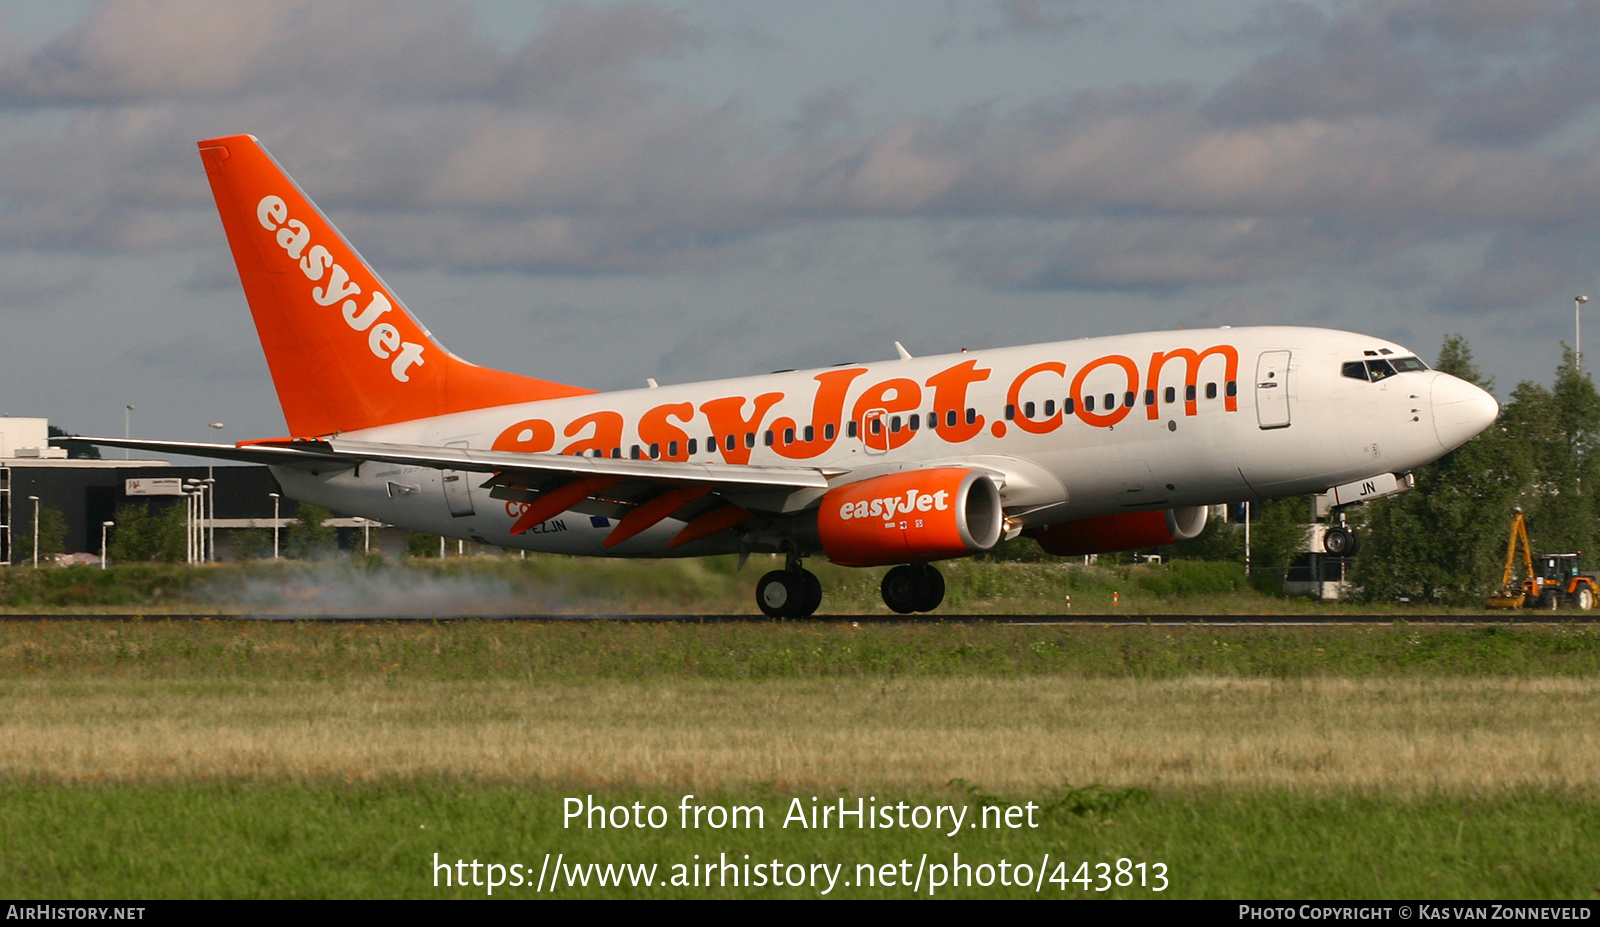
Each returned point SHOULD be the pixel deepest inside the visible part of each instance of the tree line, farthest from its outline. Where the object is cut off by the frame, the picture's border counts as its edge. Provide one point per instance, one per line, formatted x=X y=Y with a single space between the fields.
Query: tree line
x=141 y=535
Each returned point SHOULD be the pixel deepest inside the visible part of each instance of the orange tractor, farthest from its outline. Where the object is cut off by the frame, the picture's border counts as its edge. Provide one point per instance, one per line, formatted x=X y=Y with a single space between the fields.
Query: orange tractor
x=1557 y=581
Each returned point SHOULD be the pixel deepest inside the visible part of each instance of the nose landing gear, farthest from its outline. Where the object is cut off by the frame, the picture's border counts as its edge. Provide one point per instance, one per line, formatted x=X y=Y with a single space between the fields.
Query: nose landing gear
x=1341 y=541
x=915 y=587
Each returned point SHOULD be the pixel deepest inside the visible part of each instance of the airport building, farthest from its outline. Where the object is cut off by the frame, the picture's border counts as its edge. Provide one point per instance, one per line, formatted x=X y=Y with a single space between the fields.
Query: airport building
x=36 y=476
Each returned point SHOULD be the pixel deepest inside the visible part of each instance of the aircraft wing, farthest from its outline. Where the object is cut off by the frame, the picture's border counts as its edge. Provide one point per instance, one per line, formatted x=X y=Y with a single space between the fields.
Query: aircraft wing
x=454 y=458
x=597 y=485
x=284 y=452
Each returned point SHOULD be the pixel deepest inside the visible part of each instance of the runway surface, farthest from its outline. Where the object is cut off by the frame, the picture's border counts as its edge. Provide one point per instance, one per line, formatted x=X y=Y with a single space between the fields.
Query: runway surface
x=1210 y=621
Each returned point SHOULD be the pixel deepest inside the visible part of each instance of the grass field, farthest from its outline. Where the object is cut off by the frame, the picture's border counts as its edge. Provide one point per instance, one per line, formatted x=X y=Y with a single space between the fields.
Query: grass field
x=279 y=759
x=551 y=584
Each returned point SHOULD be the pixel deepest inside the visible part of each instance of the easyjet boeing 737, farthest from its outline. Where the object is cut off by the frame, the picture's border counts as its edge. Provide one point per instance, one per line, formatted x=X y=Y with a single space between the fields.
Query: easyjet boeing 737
x=1093 y=445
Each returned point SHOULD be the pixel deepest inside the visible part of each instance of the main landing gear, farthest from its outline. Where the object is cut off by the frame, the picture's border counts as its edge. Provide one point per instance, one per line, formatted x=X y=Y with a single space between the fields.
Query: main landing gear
x=915 y=587
x=795 y=592
x=792 y=592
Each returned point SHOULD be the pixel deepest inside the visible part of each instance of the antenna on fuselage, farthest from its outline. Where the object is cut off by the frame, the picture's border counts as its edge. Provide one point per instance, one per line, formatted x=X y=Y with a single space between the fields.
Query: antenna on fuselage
x=904 y=354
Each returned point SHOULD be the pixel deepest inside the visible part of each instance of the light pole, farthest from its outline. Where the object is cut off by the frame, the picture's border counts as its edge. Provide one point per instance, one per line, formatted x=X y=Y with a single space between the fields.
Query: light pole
x=103 y=526
x=274 y=524
x=211 y=520
x=1247 y=537
x=35 y=501
x=211 y=486
x=127 y=430
x=1577 y=336
x=188 y=525
x=191 y=491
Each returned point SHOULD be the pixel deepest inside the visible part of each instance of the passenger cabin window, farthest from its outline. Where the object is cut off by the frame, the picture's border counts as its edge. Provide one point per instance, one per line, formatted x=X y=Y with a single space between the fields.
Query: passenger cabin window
x=972 y=416
x=788 y=436
x=1172 y=394
x=1233 y=388
x=1149 y=397
x=828 y=432
x=1188 y=393
x=750 y=439
x=950 y=418
x=1128 y=398
x=1211 y=390
x=694 y=446
x=1027 y=410
x=1088 y=403
x=1066 y=405
x=1049 y=407
x=1011 y=412
x=850 y=429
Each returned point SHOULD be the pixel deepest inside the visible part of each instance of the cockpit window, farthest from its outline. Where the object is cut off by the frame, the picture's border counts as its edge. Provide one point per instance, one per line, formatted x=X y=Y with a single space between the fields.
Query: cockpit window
x=1375 y=370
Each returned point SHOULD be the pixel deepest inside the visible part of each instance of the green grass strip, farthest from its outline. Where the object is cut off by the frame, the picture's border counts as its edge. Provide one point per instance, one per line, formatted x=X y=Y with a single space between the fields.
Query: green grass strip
x=379 y=840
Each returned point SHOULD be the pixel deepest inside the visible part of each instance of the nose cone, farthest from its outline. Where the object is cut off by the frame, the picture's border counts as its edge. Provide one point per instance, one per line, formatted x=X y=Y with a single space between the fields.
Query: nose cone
x=1460 y=410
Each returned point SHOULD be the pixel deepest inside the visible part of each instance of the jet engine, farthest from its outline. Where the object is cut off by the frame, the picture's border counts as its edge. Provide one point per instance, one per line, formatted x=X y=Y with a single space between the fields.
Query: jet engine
x=1129 y=531
x=910 y=517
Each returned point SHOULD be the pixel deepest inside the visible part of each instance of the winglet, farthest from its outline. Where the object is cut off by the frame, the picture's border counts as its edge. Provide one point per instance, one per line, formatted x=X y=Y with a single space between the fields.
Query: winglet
x=344 y=351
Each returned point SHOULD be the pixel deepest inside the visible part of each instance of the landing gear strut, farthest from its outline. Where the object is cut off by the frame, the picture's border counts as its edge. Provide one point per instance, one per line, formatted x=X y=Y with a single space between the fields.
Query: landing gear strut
x=792 y=592
x=916 y=587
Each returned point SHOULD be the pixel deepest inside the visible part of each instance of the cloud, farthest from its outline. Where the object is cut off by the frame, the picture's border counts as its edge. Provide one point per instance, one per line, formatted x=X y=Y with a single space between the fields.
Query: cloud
x=1356 y=132
x=1154 y=255
x=1499 y=71
x=1530 y=265
x=133 y=50
x=1039 y=16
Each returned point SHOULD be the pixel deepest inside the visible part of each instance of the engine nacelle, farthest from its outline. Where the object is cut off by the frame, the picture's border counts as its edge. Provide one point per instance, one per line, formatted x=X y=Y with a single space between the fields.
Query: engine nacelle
x=910 y=517
x=1131 y=531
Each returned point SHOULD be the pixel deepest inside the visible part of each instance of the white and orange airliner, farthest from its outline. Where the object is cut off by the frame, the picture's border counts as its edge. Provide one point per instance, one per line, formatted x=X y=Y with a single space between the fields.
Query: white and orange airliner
x=1099 y=444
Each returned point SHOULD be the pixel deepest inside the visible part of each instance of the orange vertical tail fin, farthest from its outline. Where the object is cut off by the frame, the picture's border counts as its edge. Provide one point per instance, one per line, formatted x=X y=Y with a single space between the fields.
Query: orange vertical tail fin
x=344 y=352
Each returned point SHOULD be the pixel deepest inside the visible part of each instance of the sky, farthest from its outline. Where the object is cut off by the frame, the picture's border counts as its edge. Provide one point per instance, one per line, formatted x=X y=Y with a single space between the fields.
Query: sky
x=599 y=192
